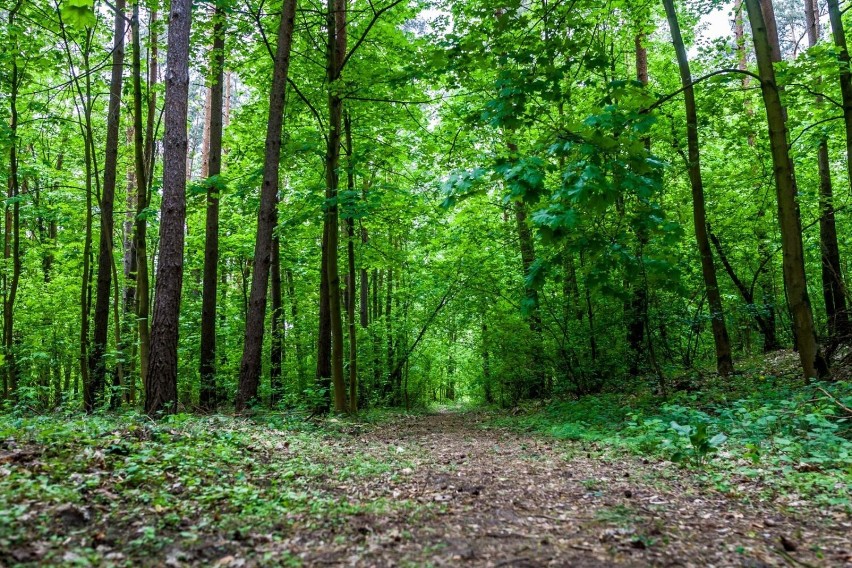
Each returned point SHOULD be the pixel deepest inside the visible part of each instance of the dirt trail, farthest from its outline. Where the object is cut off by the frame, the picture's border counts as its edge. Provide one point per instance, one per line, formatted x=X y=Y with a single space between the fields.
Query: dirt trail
x=500 y=498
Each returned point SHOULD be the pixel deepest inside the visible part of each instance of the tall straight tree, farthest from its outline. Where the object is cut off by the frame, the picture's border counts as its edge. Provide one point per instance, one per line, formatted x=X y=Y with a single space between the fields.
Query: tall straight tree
x=350 y=285
x=813 y=365
x=724 y=362
x=161 y=386
x=833 y=289
x=97 y=356
x=12 y=234
x=143 y=153
x=250 y=366
x=138 y=277
x=208 y=394
x=835 y=17
x=336 y=25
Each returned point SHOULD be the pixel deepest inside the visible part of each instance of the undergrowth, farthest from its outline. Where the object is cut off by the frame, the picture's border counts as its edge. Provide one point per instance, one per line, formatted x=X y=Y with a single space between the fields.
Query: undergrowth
x=106 y=488
x=790 y=439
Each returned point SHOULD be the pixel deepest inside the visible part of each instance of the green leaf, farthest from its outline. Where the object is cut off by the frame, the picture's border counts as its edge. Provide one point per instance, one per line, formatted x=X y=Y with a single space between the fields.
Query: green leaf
x=79 y=13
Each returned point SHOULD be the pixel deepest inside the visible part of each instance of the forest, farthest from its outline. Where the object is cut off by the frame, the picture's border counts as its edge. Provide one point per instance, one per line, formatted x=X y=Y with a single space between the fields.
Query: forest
x=425 y=282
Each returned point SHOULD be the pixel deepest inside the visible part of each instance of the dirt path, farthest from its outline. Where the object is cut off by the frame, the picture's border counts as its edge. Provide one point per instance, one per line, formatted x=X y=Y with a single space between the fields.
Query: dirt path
x=497 y=498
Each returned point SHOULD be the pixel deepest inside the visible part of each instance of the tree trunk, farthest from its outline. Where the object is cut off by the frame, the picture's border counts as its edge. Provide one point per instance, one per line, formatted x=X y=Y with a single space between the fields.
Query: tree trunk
x=97 y=357
x=11 y=249
x=350 y=289
x=143 y=165
x=364 y=286
x=161 y=386
x=724 y=362
x=845 y=76
x=813 y=365
x=833 y=289
x=250 y=366
x=294 y=317
x=637 y=306
x=277 y=328
x=323 y=374
x=336 y=24
x=212 y=168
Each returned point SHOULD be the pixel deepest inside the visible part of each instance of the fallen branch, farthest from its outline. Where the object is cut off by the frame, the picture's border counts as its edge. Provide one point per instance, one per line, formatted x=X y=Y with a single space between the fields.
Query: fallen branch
x=835 y=401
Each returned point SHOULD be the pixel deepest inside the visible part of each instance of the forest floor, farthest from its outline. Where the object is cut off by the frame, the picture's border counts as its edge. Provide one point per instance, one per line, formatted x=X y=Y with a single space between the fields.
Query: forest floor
x=443 y=489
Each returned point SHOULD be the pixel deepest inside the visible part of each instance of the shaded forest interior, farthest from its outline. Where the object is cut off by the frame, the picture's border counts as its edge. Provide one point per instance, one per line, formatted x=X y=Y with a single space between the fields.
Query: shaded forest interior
x=477 y=202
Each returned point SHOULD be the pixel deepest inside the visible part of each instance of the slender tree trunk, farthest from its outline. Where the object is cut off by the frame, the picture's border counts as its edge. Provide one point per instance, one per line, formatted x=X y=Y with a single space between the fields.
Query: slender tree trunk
x=250 y=366
x=11 y=249
x=212 y=168
x=161 y=386
x=350 y=288
x=364 y=286
x=637 y=306
x=323 y=374
x=538 y=388
x=813 y=364
x=833 y=289
x=336 y=24
x=143 y=166
x=724 y=362
x=768 y=330
x=130 y=261
x=84 y=113
x=277 y=331
x=97 y=358
x=389 y=329
x=294 y=321
x=845 y=76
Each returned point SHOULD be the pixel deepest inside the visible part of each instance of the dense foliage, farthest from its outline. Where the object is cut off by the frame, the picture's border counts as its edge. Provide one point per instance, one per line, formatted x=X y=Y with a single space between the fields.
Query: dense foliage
x=482 y=201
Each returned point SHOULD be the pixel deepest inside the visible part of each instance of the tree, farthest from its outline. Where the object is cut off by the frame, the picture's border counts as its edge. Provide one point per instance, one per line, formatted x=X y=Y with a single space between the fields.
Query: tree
x=336 y=26
x=208 y=395
x=97 y=357
x=844 y=76
x=724 y=362
x=161 y=384
x=789 y=218
x=12 y=240
x=250 y=365
x=833 y=288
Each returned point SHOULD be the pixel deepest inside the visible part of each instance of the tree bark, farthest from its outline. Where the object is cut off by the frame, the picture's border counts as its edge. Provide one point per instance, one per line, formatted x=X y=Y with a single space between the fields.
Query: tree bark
x=336 y=24
x=250 y=366
x=833 y=288
x=276 y=350
x=844 y=76
x=97 y=357
x=11 y=249
x=724 y=361
x=208 y=395
x=350 y=288
x=323 y=374
x=813 y=364
x=161 y=386
x=637 y=305
x=143 y=165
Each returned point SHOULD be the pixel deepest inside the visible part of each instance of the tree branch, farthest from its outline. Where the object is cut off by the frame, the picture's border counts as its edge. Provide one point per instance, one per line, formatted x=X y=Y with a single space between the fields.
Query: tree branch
x=376 y=15
x=670 y=96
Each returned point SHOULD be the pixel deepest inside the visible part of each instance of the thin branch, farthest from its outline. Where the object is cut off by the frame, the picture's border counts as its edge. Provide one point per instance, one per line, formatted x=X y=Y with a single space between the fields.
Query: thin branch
x=376 y=15
x=808 y=127
x=670 y=96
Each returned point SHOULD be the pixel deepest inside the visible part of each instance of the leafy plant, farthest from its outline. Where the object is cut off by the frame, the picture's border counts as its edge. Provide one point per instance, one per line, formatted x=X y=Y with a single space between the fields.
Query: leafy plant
x=701 y=446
